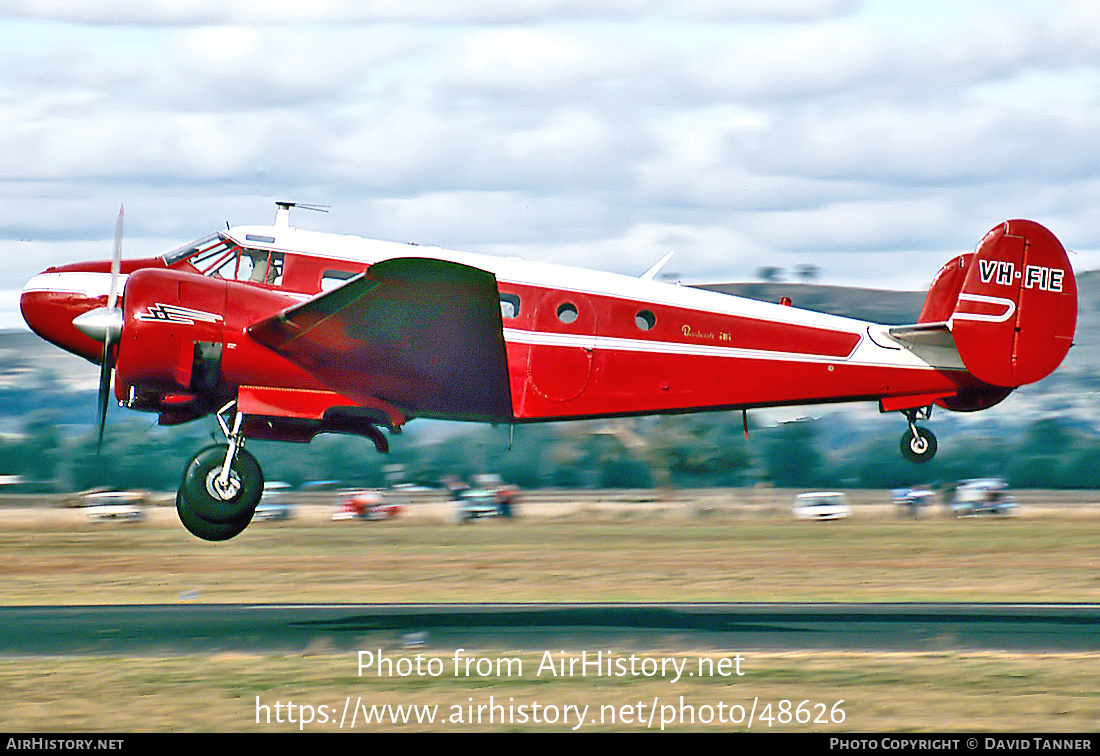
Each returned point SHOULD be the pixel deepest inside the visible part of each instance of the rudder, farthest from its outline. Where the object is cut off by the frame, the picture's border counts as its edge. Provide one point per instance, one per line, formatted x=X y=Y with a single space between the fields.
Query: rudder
x=1016 y=311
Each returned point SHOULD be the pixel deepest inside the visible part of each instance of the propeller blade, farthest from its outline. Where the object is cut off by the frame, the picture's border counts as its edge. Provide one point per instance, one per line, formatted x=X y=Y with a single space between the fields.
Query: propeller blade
x=111 y=334
x=105 y=370
x=116 y=260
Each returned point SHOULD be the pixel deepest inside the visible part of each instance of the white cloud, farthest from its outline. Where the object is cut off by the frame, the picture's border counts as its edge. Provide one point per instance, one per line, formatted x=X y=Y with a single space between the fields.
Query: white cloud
x=783 y=63
x=483 y=221
x=702 y=251
x=857 y=225
x=50 y=143
x=469 y=11
x=527 y=61
x=929 y=145
x=591 y=132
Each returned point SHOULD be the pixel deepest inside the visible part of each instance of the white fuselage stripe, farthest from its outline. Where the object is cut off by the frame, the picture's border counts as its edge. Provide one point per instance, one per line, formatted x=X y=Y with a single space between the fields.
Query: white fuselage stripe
x=88 y=284
x=608 y=343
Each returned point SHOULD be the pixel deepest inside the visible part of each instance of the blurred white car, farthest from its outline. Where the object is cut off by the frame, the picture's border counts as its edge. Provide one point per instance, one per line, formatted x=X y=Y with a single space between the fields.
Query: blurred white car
x=275 y=503
x=123 y=506
x=476 y=503
x=910 y=501
x=982 y=496
x=821 y=505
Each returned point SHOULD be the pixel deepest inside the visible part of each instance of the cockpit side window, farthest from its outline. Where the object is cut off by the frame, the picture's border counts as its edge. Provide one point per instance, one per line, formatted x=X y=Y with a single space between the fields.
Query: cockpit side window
x=212 y=256
x=220 y=261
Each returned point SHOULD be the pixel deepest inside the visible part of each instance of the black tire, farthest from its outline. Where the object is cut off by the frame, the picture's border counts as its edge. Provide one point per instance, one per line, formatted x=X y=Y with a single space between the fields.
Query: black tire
x=919 y=448
x=208 y=531
x=202 y=497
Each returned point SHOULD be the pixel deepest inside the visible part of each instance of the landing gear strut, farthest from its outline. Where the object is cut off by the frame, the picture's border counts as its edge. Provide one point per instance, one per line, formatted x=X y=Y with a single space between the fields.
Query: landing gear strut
x=918 y=444
x=221 y=486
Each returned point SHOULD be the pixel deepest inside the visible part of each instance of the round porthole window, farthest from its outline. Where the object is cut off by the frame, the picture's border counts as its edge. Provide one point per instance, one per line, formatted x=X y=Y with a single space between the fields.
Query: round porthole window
x=567 y=312
x=645 y=320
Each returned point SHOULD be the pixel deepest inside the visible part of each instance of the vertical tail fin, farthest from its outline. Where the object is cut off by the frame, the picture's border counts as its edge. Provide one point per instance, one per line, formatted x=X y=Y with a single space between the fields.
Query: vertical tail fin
x=1015 y=310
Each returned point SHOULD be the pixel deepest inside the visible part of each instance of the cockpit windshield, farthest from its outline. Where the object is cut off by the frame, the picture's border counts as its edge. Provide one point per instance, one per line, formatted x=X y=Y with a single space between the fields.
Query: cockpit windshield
x=187 y=250
x=221 y=257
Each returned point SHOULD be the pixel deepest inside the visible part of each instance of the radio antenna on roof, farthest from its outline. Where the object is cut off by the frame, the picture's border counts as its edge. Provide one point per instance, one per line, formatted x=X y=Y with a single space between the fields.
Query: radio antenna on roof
x=282 y=214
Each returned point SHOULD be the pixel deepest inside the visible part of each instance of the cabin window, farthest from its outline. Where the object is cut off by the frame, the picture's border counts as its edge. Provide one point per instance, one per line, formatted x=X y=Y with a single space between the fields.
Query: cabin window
x=252 y=266
x=260 y=266
x=332 y=279
x=275 y=269
x=509 y=306
x=645 y=320
x=567 y=312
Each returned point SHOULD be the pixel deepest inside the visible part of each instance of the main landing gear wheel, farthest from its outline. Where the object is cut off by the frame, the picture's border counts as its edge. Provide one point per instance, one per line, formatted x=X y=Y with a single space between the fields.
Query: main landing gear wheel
x=215 y=506
x=206 y=530
x=918 y=444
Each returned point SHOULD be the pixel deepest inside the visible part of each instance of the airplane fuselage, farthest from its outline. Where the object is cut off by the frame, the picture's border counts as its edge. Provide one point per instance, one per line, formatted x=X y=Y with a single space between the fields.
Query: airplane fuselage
x=284 y=334
x=579 y=343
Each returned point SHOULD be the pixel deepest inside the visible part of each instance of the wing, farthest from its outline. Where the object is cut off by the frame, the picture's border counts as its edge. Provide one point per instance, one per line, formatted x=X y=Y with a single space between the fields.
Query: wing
x=424 y=335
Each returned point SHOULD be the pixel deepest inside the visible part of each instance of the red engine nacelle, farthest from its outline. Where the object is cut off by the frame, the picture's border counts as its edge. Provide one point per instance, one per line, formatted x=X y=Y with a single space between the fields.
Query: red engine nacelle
x=184 y=348
x=173 y=333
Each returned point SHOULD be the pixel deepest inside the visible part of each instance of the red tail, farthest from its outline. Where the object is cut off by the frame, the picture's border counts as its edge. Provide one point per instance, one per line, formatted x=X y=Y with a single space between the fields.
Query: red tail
x=1011 y=306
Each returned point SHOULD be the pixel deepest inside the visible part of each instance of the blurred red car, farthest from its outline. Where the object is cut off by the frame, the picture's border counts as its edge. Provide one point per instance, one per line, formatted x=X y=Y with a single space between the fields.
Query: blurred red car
x=365 y=505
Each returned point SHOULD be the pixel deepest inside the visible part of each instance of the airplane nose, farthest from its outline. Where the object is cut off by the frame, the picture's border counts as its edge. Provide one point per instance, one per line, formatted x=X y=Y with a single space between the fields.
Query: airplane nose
x=55 y=299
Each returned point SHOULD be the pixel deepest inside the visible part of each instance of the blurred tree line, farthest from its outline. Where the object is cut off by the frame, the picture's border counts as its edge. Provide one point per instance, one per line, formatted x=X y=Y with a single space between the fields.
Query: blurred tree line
x=669 y=451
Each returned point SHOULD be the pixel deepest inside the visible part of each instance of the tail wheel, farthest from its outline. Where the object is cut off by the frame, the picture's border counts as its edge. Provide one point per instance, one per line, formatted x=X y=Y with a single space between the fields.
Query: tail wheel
x=217 y=498
x=206 y=530
x=918 y=444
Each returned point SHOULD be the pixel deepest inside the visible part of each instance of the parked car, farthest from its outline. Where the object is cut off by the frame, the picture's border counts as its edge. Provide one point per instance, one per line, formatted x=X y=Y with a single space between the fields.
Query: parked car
x=475 y=503
x=122 y=506
x=982 y=496
x=910 y=501
x=275 y=503
x=821 y=505
x=366 y=505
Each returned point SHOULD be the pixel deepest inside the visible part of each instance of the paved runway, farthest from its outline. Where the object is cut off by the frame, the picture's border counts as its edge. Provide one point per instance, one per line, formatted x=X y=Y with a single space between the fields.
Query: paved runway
x=205 y=628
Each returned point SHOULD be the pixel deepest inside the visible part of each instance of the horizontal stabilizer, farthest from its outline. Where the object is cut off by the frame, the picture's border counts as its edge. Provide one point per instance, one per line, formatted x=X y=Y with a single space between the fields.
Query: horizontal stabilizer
x=923 y=335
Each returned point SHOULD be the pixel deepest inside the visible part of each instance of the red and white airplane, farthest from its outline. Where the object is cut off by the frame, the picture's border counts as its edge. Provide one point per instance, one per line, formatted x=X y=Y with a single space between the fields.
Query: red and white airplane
x=284 y=333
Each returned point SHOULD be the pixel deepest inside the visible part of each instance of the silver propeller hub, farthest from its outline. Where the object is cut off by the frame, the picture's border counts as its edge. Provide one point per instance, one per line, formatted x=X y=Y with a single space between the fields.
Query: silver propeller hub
x=100 y=323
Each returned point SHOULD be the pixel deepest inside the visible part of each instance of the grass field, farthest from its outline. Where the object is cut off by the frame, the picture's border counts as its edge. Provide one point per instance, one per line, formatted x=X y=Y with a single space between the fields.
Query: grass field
x=618 y=552
x=946 y=692
x=685 y=550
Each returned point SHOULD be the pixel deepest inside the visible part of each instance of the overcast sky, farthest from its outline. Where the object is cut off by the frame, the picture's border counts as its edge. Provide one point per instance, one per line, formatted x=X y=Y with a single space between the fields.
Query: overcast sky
x=873 y=139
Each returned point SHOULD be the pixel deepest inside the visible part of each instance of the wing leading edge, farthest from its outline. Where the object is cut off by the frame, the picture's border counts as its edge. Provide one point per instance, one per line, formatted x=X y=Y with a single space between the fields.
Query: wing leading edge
x=422 y=334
